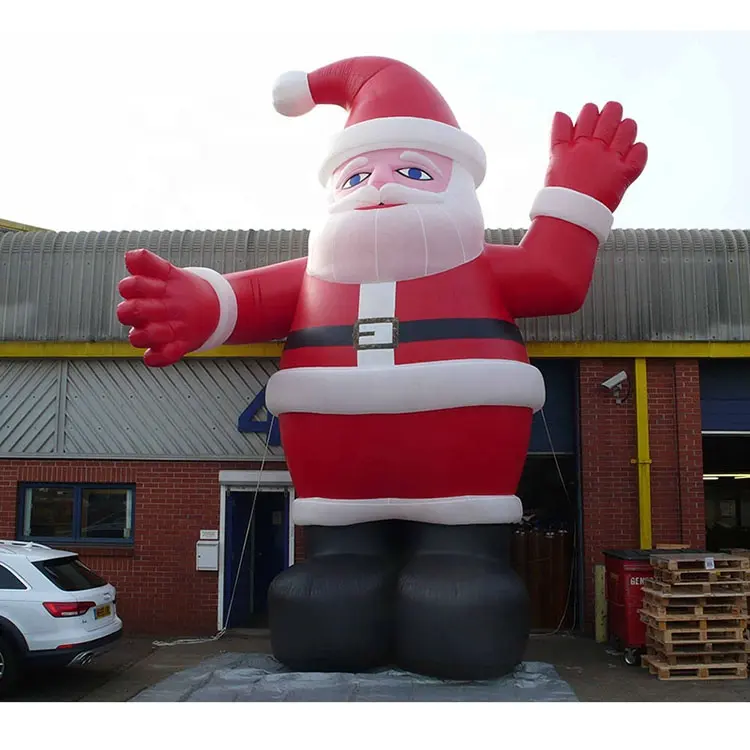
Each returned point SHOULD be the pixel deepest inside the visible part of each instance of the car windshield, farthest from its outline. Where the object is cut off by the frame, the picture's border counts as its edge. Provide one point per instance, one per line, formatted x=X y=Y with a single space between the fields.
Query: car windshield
x=70 y=574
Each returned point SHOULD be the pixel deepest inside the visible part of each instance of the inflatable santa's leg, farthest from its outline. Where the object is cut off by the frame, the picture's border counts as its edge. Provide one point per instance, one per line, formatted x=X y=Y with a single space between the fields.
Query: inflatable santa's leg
x=334 y=611
x=461 y=611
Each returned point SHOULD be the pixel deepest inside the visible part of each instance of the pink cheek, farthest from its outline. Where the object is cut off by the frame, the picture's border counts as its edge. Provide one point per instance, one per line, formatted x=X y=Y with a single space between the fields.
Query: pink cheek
x=341 y=192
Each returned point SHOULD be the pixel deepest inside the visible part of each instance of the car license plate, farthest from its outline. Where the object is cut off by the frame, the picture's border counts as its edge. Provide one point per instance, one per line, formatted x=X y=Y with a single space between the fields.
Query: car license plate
x=103 y=611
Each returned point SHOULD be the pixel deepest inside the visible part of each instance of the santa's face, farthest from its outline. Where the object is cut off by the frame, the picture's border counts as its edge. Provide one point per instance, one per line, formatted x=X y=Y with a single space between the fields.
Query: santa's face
x=397 y=214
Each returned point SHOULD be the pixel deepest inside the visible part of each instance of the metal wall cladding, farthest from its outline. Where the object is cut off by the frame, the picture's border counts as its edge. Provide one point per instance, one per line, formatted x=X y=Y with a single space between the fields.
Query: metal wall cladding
x=649 y=284
x=123 y=409
x=29 y=398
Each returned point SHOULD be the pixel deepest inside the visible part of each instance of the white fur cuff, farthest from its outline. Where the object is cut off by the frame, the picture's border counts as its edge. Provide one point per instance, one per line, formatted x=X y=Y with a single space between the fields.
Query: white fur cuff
x=405 y=132
x=227 y=307
x=409 y=388
x=574 y=207
x=447 y=511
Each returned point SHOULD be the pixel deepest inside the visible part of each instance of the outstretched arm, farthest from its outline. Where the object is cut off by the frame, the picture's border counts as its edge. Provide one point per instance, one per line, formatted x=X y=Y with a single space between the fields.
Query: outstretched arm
x=255 y=305
x=592 y=164
x=173 y=311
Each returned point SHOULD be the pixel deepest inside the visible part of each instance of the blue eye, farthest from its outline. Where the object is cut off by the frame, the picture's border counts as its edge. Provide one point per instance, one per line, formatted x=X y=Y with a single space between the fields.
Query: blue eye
x=414 y=173
x=355 y=179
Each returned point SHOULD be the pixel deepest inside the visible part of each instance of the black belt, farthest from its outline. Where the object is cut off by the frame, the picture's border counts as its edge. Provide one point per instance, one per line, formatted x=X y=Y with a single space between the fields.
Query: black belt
x=388 y=333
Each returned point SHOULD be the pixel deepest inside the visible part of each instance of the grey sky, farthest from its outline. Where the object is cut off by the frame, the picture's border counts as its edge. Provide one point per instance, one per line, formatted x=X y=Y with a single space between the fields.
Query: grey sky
x=178 y=131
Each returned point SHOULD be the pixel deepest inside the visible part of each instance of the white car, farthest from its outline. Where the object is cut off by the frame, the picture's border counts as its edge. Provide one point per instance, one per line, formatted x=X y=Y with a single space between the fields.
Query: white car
x=54 y=611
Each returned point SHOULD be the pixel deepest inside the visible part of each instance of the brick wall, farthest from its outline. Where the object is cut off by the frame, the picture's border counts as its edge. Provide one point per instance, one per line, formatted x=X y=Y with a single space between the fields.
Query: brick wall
x=609 y=482
x=690 y=453
x=608 y=446
x=159 y=590
x=676 y=451
x=665 y=477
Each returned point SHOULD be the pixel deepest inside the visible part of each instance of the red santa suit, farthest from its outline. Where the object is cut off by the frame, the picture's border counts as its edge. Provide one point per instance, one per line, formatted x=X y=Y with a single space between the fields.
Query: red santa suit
x=409 y=399
x=442 y=390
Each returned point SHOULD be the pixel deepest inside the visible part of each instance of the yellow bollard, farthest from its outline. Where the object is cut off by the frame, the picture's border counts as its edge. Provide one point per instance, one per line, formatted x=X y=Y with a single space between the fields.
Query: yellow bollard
x=600 y=603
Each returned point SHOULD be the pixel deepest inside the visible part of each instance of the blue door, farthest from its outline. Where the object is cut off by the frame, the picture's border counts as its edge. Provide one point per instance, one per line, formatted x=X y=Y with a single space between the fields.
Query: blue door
x=271 y=548
x=266 y=554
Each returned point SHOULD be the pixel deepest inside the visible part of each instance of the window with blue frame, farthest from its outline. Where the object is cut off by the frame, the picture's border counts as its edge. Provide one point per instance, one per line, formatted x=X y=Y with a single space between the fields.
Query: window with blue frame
x=80 y=513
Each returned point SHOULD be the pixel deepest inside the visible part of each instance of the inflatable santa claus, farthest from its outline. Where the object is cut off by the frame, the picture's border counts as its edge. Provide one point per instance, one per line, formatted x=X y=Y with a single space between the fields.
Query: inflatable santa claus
x=405 y=395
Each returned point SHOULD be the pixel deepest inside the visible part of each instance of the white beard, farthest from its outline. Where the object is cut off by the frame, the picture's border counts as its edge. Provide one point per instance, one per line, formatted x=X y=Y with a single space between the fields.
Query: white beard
x=431 y=233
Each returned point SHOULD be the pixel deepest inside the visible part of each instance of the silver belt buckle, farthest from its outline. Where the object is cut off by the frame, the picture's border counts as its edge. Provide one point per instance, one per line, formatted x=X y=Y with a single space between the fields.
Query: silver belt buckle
x=376 y=333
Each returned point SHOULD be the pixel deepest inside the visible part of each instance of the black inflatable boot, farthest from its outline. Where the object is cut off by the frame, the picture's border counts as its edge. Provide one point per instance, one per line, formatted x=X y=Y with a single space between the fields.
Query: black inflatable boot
x=462 y=613
x=334 y=611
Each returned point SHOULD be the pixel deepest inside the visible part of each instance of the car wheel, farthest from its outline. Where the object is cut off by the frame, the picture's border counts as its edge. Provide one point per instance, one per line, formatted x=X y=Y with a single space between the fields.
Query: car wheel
x=8 y=667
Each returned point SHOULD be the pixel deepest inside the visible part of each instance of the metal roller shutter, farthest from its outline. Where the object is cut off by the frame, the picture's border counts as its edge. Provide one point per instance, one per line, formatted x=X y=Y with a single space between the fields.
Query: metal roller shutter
x=559 y=409
x=725 y=396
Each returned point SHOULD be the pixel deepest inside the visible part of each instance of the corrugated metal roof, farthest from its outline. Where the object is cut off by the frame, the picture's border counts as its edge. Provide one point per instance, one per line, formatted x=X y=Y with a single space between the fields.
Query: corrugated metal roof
x=14 y=226
x=123 y=409
x=649 y=284
x=658 y=285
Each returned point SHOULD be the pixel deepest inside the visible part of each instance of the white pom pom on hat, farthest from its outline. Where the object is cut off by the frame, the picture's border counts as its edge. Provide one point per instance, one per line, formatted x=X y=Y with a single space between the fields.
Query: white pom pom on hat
x=291 y=94
x=390 y=105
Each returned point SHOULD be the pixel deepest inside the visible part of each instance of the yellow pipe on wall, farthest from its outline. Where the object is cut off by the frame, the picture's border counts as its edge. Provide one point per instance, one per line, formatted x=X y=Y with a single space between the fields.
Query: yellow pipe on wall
x=600 y=603
x=643 y=459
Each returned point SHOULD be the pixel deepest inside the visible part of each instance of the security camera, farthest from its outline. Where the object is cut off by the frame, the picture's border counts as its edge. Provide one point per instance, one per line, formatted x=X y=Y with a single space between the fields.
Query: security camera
x=615 y=381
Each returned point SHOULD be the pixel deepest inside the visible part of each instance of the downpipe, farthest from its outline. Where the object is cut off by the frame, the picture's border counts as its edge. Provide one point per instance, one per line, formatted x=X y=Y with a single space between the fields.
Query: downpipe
x=643 y=460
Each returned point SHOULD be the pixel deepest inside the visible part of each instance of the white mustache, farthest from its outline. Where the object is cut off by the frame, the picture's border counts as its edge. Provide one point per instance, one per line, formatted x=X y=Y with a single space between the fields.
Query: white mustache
x=389 y=193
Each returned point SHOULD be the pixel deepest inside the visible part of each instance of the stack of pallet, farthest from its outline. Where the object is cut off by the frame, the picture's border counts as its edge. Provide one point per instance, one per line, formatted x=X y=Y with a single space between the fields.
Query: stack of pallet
x=695 y=610
x=740 y=553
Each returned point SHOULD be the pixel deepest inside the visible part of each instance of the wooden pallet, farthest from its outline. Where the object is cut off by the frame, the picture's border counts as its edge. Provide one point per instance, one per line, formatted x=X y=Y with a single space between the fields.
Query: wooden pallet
x=691 y=622
x=698 y=588
x=682 y=599
x=739 y=552
x=678 y=659
x=694 y=671
x=700 y=562
x=695 y=647
x=660 y=606
x=701 y=576
x=729 y=635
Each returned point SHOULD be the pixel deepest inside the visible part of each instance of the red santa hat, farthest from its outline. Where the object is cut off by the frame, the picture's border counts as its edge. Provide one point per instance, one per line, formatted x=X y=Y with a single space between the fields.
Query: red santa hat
x=390 y=105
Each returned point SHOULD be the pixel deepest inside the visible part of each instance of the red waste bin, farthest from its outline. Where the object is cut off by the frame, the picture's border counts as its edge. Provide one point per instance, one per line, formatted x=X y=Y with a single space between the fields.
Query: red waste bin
x=626 y=570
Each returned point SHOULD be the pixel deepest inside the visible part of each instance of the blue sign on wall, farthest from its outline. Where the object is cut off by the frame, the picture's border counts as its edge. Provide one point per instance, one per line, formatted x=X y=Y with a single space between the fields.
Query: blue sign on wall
x=248 y=423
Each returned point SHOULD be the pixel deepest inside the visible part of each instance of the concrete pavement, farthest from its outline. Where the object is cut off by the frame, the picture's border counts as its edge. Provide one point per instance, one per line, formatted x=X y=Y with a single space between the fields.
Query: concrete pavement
x=593 y=671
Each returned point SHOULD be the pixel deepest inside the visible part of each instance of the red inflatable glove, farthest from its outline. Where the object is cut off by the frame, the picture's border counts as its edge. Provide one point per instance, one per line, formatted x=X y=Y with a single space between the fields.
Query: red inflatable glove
x=171 y=310
x=598 y=156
